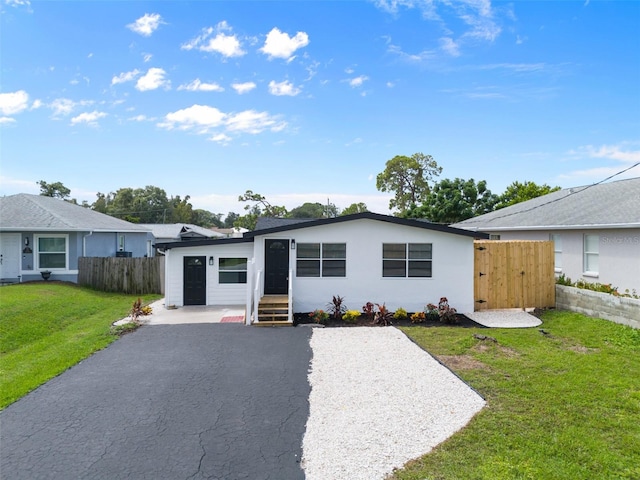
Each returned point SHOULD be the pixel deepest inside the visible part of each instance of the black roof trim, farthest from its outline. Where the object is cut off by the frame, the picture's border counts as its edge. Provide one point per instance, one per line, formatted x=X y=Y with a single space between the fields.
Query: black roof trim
x=203 y=242
x=411 y=222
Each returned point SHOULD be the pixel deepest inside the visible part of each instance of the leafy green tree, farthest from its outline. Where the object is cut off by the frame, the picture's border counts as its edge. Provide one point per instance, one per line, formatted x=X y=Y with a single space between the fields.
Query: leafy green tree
x=55 y=189
x=314 y=210
x=258 y=207
x=355 y=208
x=181 y=210
x=452 y=201
x=230 y=219
x=409 y=179
x=521 y=192
x=205 y=218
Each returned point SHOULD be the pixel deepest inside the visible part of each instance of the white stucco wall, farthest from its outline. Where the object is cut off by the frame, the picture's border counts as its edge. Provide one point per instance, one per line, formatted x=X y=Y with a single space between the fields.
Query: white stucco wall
x=452 y=267
x=217 y=294
x=619 y=254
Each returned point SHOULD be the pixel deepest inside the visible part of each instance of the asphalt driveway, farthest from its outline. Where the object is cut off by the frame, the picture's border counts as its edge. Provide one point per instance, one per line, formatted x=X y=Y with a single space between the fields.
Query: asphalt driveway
x=215 y=401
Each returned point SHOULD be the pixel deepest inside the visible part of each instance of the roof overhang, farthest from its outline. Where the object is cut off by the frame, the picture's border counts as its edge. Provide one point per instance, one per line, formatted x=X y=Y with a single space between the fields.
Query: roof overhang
x=206 y=242
x=612 y=226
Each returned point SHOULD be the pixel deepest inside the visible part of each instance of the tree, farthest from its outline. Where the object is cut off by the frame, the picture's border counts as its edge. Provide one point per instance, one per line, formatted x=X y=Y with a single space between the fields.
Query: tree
x=452 y=201
x=260 y=208
x=314 y=210
x=355 y=208
x=56 y=189
x=409 y=179
x=520 y=192
x=230 y=219
x=205 y=218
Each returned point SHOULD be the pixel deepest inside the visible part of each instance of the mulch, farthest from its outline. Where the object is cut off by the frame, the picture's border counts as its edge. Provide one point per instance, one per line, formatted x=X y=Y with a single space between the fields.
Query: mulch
x=462 y=322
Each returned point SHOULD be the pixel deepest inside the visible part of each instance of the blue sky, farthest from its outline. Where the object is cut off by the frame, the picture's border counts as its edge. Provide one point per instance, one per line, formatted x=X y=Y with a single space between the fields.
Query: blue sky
x=306 y=101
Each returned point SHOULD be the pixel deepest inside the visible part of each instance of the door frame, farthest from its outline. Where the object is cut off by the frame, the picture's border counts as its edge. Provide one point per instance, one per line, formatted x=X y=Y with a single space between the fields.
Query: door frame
x=201 y=295
x=282 y=287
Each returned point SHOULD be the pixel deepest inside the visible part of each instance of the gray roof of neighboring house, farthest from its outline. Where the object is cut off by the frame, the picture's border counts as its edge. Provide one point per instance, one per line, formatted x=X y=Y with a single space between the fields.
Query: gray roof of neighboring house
x=265 y=223
x=39 y=213
x=178 y=230
x=606 y=205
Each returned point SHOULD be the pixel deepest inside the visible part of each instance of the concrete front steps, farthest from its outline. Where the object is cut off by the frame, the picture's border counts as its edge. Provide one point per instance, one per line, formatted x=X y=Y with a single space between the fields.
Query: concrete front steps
x=273 y=311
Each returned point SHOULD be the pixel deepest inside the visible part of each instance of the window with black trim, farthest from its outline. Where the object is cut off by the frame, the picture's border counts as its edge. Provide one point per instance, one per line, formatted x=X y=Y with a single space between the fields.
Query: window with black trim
x=232 y=270
x=321 y=259
x=407 y=260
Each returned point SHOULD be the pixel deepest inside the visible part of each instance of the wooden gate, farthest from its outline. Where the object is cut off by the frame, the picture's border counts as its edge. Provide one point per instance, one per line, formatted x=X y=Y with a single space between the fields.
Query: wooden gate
x=513 y=274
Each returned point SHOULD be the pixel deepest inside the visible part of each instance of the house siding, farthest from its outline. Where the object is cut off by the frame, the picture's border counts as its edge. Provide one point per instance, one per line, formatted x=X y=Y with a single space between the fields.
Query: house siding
x=452 y=267
x=619 y=254
x=217 y=294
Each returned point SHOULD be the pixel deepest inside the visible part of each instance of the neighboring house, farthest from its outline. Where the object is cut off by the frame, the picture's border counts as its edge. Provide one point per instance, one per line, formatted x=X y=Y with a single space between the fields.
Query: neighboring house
x=39 y=233
x=595 y=229
x=175 y=232
x=364 y=257
x=235 y=232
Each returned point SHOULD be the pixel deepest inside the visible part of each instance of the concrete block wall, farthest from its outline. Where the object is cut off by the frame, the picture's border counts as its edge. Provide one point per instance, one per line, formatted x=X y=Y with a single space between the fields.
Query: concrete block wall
x=623 y=310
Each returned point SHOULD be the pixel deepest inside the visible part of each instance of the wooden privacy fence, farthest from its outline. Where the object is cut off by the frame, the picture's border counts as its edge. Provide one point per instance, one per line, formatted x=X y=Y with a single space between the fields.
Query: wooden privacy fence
x=513 y=274
x=136 y=276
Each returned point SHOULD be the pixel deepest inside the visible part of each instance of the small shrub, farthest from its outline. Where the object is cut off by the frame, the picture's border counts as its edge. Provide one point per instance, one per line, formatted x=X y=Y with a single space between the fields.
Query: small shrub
x=319 y=316
x=383 y=315
x=562 y=280
x=337 y=307
x=431 y=312
x=137 y=311
x=418 y=317
x=400 y=314
x=351 y=316
x=447 y=314
x=369 y=310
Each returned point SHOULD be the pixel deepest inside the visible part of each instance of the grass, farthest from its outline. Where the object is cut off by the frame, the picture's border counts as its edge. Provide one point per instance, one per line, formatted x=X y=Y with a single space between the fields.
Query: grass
x=560 y=406
x=48 y=327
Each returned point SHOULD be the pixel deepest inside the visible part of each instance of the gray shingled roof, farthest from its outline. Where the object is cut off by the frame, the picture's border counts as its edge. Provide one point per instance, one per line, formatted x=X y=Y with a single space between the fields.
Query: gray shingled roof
x=265 y=223
x=38 y=213
x=173 y=230
x=614 y=204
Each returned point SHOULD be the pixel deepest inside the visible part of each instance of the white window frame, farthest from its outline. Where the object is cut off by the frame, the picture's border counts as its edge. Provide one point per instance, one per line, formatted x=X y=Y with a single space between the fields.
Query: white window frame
x=36 y=239
x=234 y=270
x=321 y=259
x=587 y=254
x=556 y=238
x=407 y=260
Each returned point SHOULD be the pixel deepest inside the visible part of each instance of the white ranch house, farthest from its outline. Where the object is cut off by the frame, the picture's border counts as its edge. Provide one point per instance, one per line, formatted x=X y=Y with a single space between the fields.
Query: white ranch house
x=364 y=257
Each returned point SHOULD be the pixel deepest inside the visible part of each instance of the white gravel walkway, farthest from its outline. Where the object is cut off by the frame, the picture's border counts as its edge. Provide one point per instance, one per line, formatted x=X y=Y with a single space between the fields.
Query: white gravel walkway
x=377 y=401
x=504 y=319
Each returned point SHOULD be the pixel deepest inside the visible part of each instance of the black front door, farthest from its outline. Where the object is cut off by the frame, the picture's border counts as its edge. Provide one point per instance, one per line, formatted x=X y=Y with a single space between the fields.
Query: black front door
x=195 y=281
x=276 y=267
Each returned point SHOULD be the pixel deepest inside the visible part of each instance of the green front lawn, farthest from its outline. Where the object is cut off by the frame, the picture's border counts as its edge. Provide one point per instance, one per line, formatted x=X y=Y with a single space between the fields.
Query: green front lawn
x=560 y=406
x=45 y=328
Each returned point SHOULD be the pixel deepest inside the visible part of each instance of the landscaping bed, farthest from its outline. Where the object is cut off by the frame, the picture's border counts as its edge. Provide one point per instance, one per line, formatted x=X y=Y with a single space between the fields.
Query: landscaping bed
x=363 y=321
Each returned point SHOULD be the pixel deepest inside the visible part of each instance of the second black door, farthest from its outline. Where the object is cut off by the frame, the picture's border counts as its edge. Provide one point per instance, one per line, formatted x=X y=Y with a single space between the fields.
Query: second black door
x=276 y=267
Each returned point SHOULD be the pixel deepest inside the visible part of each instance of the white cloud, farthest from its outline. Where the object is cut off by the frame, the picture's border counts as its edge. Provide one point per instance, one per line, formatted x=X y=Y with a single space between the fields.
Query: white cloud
x=36 y=104
x=152 y=80
x=64 y=106
x=90 y=118
x=280 y=45
x=7 y=120
x=243 y=87
x=19 y=3
x=125 y=77
x=283 y=88
x=146 y=57
x=221 y=138
x=147 y=24
x=226 y=45
x=194 y=116
x=204 y=119
x=253 y=122
x=358 y=81
x=15 y=102
x=422 y=57
x=620 y=153
x=449 y=46
x=138 y=118
x=198 y=86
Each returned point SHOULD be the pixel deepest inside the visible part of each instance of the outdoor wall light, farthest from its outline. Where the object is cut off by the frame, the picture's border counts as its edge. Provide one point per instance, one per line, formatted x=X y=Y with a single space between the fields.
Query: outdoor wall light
x=26 y=241
x=211 y=261
x=293 y=244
